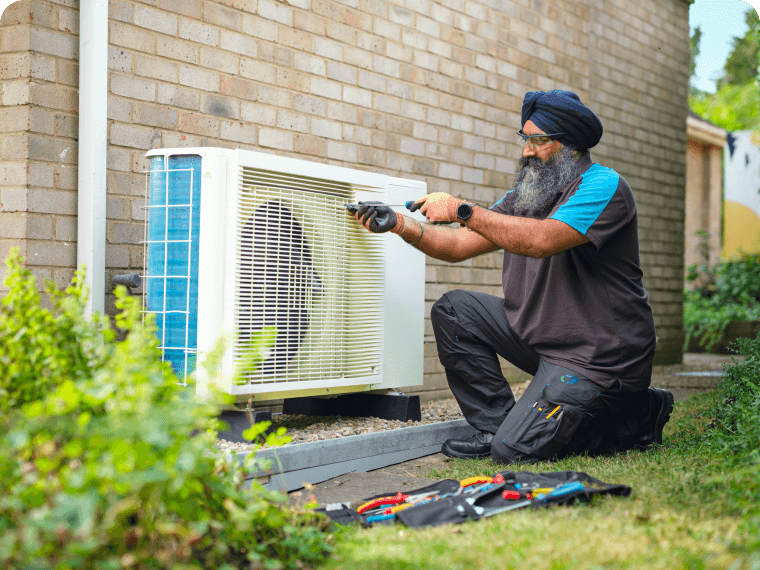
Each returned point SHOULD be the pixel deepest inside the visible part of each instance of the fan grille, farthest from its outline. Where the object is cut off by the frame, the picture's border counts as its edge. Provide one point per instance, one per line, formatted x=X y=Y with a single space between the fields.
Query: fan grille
x=308 y=271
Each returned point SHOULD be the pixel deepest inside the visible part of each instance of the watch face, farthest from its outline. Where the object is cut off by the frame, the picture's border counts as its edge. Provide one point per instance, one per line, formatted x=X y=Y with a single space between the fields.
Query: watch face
x=464 y=211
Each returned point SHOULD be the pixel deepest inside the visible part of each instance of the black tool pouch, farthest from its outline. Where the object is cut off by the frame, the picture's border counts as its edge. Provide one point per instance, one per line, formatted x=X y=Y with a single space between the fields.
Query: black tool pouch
x=447 y=510
x=537 y=437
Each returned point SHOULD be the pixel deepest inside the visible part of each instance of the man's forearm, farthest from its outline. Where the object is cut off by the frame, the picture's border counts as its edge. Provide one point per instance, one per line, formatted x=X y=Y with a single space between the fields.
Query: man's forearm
x=440 y=242
x=522 y=236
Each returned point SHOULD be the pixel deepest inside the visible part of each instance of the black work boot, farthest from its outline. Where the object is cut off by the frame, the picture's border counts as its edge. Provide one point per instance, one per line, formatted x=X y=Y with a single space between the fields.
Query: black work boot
x=477 y=447
x=661 y=407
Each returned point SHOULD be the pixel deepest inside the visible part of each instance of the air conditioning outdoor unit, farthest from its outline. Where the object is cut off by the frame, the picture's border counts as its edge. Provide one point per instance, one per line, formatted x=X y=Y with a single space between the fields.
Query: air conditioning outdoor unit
x=240 y=242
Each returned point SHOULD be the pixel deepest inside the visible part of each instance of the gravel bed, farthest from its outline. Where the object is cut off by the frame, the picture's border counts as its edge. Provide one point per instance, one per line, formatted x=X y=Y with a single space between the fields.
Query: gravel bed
x=316 y=428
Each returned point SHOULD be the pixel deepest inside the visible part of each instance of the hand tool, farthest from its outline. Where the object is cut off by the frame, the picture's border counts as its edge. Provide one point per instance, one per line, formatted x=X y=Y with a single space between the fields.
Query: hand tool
x=353 y=208
x=400 y=498
x=378 y=518
x=509 y=508
x=561 y=491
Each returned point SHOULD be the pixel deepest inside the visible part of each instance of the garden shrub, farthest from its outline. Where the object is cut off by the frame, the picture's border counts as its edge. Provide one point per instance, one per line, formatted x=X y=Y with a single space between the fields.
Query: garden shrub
x=115 y=465
x=729 y=292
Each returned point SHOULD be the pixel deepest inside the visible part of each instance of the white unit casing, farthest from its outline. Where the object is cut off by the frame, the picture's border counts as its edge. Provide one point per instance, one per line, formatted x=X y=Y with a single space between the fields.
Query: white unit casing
x=278 y=254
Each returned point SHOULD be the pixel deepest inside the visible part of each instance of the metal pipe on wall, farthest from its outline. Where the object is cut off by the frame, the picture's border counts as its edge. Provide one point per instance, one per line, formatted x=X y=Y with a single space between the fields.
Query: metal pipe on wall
x=93 y=144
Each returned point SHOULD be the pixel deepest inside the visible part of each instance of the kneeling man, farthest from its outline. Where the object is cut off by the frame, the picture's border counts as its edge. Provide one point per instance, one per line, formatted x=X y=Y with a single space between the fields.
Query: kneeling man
x=575 y=314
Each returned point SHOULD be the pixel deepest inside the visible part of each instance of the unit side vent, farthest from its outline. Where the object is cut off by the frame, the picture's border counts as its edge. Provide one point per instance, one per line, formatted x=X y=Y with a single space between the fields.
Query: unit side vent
x=305 y=268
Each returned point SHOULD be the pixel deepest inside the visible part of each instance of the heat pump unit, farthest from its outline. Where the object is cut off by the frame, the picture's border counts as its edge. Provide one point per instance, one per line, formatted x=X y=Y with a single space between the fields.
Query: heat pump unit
x=240 y=244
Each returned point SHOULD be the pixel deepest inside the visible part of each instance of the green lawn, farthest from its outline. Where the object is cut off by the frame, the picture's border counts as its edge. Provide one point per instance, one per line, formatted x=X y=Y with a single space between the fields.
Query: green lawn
x=687 y=510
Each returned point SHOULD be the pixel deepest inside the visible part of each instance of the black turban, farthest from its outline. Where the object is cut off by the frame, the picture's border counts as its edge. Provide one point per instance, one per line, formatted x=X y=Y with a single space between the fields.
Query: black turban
x=558 y=111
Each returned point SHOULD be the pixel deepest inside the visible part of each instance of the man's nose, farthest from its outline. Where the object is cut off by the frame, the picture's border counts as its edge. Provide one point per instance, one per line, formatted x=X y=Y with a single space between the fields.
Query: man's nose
x=528 y=151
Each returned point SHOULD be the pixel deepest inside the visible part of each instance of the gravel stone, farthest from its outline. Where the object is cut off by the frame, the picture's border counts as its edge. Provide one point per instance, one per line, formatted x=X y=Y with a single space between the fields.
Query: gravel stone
x=304 y=429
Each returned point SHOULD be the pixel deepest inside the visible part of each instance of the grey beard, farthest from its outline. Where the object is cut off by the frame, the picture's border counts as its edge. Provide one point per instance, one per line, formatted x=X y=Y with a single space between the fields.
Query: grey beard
x=538 y=183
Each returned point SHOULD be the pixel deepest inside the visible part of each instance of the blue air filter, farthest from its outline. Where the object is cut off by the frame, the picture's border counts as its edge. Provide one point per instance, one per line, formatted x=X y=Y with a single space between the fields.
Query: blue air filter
x=174 y=215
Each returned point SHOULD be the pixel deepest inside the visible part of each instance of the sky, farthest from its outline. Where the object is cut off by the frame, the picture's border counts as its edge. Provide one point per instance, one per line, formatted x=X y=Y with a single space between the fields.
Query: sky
x=720 y=21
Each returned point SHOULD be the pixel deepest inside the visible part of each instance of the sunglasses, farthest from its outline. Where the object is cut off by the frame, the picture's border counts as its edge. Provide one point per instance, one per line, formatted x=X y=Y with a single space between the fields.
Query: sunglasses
x=536 y=141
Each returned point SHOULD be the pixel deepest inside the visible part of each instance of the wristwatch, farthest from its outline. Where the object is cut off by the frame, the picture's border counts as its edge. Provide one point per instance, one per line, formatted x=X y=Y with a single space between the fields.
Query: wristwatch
x=464 y=211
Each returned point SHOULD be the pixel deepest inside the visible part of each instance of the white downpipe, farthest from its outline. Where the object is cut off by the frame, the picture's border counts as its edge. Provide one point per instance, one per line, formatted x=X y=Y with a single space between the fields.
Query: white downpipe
x=93 y=144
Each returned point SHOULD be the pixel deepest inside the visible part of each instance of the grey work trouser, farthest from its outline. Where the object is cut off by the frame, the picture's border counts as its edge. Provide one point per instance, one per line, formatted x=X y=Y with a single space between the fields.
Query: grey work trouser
x=560 y=413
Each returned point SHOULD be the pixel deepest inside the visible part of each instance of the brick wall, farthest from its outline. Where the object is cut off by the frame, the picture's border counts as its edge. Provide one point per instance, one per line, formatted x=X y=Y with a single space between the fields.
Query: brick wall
x=416 y=88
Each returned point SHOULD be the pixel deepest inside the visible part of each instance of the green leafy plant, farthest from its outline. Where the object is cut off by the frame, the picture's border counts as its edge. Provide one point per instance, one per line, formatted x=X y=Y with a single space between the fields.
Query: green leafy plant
x=115 y=466
x=728 y=292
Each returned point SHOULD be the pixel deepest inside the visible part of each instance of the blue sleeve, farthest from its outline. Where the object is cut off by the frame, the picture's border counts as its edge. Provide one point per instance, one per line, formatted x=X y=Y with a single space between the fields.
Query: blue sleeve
x=598 y=186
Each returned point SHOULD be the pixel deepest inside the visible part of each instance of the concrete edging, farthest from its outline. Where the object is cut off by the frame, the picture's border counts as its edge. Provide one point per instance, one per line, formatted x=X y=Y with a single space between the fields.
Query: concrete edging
x=317 y=461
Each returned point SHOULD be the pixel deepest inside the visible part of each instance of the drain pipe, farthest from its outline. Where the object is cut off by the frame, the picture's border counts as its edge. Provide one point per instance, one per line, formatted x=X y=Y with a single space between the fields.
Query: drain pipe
x=93 y=144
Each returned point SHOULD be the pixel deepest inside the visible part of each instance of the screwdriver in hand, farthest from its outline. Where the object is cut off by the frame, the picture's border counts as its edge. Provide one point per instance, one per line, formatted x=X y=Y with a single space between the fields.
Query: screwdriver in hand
x=353 y=208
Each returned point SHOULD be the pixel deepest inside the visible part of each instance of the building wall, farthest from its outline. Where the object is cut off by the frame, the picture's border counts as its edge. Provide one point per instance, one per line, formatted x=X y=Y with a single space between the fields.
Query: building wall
x=411 y=88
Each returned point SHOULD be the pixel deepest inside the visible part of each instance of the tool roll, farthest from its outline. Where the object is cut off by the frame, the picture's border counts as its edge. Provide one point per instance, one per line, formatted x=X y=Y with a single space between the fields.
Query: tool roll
x=452 y=501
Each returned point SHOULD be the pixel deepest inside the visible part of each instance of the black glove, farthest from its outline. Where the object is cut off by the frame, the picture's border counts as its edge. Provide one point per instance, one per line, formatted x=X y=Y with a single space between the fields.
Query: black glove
x=382 y=218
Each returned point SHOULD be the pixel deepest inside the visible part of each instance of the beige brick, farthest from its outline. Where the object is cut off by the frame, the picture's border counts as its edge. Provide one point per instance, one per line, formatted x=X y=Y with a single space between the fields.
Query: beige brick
x=238 y=87
x=46 y=253
x=68 y=72
x=65 y=229
x=43 y=67
x=16 y=93
x=258 y=114
x=53 y=43
x=117 y=256
x=239 y=132
x=310 y=105
x=199 y=78
x=130 y=37
x=119 y=59
x=276 y=54
x=65 y=177
x=244 y=5
x=326 y=88
x=357 y=96
x=220 y=106
x=14 y=119
x=327 y=129
x=275 y=96
x=15 y=39
x=13 y=226
x=119 y=109
x=41 y=175
x=13 y=199
x=177 y=49
x=52 y=202
x=198 y=124
x=271 y=138
x=14 y=66
x=125 y=183
x=156 y=68
x=118 y=159
x=262 y=72
x=220 y=60
x=124 y=233
x=275 y=11
x=342 y=151
x=198 y=32
x=238 y=43
x=154 y=116
x=295 y=39
x=222 y=17
x=156 y=20
x=310 y=64
x=344 y=34
x=309 y=22
x=15 y=146
x=134 y=137
x=311 y=145
x=290 y=121
x=325 y=47
x=178 y=96
x=129 y=86
x=294 y=80
x=52 y=150
x=260 y=28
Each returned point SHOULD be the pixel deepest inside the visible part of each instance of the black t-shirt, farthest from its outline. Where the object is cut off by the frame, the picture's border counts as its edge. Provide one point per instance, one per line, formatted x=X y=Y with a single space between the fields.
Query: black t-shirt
x=585 y=308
